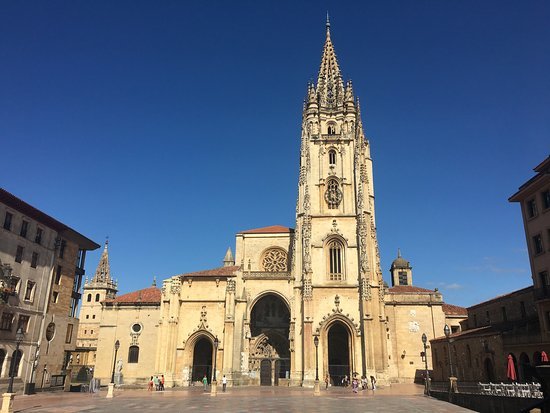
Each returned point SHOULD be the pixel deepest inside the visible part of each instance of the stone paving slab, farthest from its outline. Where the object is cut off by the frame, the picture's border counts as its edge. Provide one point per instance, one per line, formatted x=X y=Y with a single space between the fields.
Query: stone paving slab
x=397 y=398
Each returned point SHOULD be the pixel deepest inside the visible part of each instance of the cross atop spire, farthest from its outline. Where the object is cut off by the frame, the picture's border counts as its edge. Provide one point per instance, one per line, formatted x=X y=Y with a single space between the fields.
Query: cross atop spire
x=330 y=87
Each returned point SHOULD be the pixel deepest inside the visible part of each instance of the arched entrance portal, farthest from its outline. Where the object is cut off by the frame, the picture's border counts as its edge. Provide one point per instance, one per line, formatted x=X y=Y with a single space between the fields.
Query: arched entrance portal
x=269 y=344
x=338 y=353
x=202 y=359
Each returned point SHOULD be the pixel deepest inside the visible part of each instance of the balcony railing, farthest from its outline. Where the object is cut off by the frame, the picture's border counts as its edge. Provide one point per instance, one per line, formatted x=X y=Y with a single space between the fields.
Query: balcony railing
x=264 y=275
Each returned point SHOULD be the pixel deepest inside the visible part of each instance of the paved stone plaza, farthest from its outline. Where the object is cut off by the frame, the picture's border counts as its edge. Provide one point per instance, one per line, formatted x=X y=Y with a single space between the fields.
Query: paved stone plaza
x=398 y=398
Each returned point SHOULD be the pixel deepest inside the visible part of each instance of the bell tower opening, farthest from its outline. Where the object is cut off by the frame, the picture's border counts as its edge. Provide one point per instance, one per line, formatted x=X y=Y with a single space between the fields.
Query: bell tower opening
x=338 y=353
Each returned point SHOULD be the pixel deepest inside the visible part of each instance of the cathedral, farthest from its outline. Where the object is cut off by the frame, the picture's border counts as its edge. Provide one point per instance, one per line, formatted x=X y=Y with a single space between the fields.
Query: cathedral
x=292 y=304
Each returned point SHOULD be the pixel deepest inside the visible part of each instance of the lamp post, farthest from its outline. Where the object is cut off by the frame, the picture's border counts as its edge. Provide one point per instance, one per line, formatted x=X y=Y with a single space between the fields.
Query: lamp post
x=452 y=378
x=427 y=373
x=15 y=362
x=112 y=383
x=214 y=384
x=316 y=387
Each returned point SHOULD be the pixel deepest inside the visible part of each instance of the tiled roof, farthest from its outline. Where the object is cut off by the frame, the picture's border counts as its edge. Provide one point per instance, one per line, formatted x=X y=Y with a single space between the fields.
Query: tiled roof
x=451 y=309
x=149 y=295
x=408 y=289
x=485 y=330
x=222 y=271
x=273 y=229
x=503 y=296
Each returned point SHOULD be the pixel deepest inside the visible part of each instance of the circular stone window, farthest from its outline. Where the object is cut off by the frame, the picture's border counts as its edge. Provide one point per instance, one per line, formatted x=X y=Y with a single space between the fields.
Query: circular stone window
x=50 y=331
x=136 y=328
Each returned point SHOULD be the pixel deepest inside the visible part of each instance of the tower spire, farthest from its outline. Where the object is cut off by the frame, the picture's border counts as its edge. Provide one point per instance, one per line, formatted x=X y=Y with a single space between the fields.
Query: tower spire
x=330 y=87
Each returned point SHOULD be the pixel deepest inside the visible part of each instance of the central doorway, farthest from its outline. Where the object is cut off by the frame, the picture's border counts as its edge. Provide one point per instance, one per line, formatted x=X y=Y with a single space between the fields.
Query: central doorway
x=202 y=360
x=338 y=353
x=270 y=344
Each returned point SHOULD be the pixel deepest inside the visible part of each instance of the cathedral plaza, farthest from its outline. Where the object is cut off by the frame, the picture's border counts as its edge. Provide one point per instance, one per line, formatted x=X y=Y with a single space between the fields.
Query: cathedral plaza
x=403 y=397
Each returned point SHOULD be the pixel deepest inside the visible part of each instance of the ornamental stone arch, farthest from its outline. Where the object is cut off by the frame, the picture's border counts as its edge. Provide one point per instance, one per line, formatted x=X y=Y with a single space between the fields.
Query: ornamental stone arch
x=195 y=357
x=274 y=259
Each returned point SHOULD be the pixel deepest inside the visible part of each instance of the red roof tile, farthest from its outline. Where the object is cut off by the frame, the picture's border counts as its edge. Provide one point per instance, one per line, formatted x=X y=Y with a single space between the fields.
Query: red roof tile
x=485 y=330
x=215 y=272
x=408 y=289
x=274 y=229
x=454 y=309
x=149 y=295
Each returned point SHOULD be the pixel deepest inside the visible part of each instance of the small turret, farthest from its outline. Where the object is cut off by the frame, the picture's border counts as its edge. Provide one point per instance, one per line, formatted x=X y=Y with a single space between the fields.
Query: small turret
x=228 y=260
x=401 y=271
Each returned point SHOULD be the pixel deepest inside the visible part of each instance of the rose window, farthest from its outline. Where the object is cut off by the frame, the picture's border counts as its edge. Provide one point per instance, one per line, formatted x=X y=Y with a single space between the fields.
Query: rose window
x=274 y=260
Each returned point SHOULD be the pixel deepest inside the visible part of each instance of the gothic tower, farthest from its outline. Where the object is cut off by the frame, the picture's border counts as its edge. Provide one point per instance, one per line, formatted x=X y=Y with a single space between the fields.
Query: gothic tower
x=340 y=296
x=101 y=287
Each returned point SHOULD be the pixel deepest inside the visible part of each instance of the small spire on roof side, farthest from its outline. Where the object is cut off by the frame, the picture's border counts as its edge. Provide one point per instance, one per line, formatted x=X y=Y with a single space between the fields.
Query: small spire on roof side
x=154 y=281
x=228 y=260
x=398 y=252
x=328 y=25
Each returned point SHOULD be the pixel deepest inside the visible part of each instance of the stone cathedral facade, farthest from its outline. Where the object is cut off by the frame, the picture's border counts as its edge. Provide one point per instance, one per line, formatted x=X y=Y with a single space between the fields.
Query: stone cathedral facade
x=255 y=319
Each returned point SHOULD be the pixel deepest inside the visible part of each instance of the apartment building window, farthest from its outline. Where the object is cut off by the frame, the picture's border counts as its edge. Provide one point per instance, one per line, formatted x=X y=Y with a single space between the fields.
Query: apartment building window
x=97 y=297
x=62 y=248
x=545 y=195
x=55 y=297
x=38 y=236
x=544 y=280
x=537 y=244
x=24 y=228
x=69 y=335
x=23 y=323
x=34 y=260
x=487 y=317
x=522 y=309
x=7 y=221
x=6 y=321
x=19 y=254
x=87 y=316
x=532 y=208
x=58 y=274
x=475 y=320
x=504 y=316
x=29 y=291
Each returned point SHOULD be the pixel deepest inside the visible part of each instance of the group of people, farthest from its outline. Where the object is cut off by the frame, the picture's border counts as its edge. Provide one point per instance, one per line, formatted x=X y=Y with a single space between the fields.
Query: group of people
x=205 y=382
x=355 y=382
x=156 y=383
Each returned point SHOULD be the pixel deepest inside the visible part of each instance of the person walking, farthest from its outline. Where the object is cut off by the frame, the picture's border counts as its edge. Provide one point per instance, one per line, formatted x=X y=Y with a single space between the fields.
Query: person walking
x=327 y=380
x=161 y=383
x=205 y=382
x=150 y=384
x=156 y=382
x=355 y=384
x=373 y=382
x=224 y=383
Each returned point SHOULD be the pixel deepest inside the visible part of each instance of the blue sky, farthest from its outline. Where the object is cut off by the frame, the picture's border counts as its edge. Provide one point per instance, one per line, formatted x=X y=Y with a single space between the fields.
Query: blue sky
x=170 y=126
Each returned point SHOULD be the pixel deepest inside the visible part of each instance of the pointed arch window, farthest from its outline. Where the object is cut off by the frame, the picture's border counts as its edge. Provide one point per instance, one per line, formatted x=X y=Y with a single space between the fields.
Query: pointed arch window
x=97 y=297
x=332 y=157
x=335 y=260
x=333 y=194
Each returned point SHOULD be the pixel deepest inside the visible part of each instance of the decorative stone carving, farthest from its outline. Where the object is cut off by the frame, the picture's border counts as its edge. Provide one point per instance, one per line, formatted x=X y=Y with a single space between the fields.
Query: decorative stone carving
x=307 y=290
x=366 y=294
x=414 y=326
x=175 y=286
x=231 y=286
x=275 y=260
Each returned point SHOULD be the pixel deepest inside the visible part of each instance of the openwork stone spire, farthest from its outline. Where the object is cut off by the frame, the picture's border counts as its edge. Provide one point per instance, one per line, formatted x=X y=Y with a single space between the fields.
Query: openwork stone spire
x=103 y=272
x=102 y=278
x=330 y=87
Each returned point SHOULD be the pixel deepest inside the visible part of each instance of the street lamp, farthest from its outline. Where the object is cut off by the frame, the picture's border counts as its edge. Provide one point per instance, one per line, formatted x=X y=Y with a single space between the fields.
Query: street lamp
x=316 y=389
x=214 y=384
x=111 y=386
x=427 y=374
x=16 y=358
x=452 y=378
x=117 y=346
